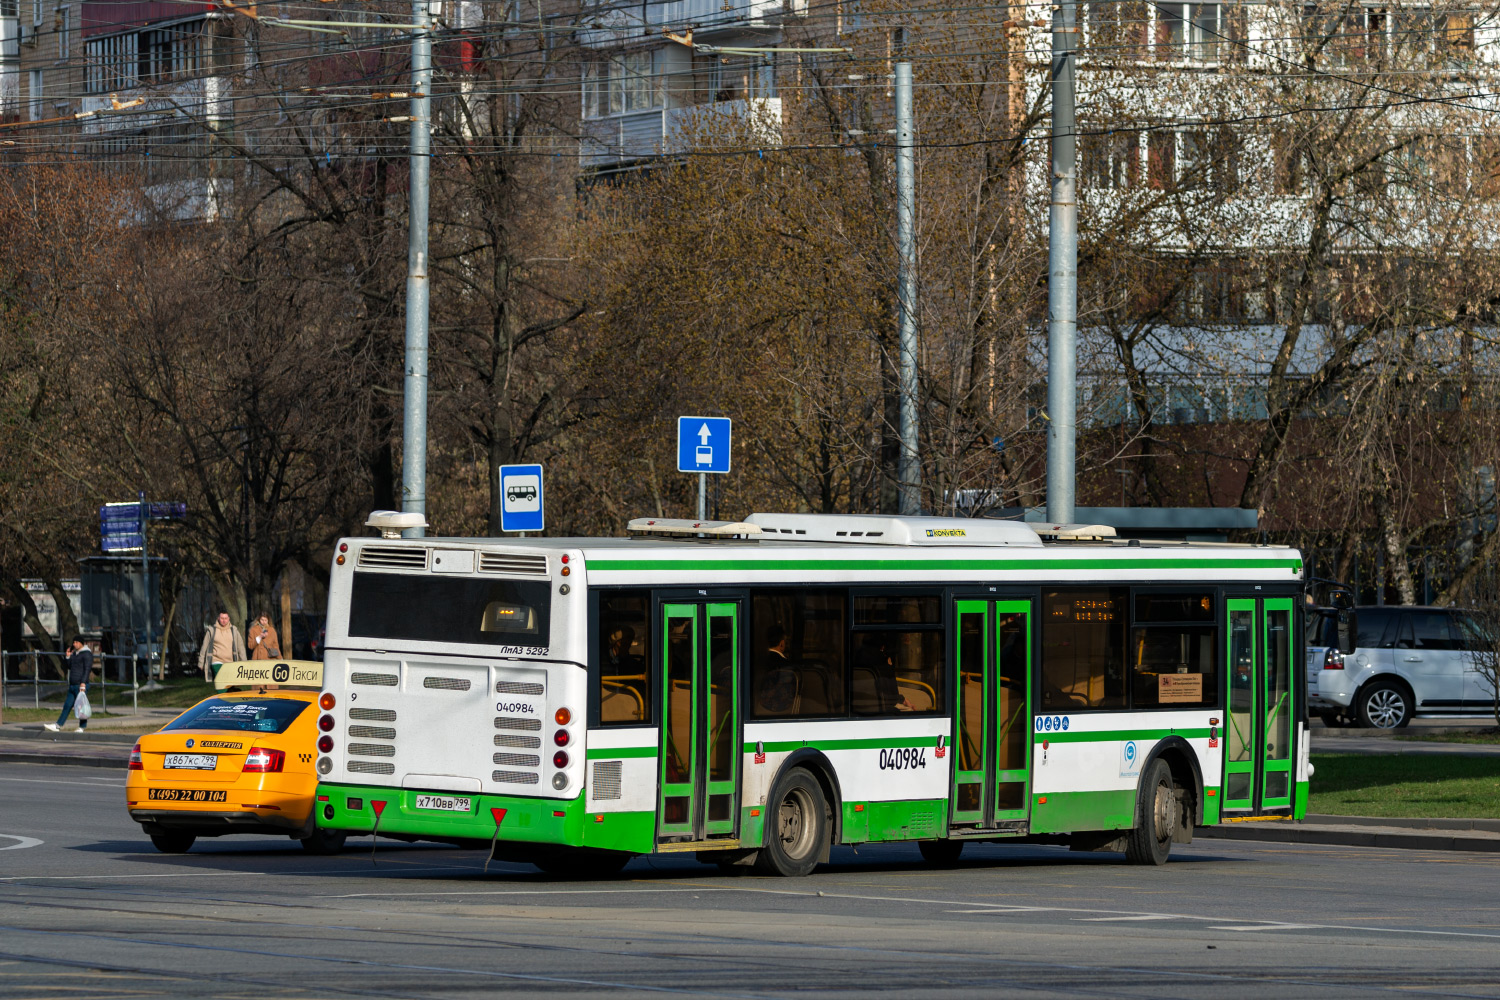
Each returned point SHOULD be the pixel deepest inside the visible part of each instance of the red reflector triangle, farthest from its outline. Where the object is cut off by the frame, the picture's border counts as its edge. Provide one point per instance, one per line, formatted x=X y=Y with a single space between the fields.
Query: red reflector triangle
x=499 y=815
x=378 y=806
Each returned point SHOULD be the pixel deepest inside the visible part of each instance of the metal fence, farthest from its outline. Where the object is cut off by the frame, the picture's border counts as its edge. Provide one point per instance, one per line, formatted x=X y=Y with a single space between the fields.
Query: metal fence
x=29 y=675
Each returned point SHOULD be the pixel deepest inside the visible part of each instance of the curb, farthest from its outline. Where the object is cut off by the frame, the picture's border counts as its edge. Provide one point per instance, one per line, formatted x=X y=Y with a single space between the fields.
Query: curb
x=1288 y=833
x=1326 y=819
x=70 y=736
x=15 y=757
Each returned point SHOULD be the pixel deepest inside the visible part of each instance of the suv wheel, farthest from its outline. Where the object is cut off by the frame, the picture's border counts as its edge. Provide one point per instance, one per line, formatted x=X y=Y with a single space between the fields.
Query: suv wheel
x=1384 y=705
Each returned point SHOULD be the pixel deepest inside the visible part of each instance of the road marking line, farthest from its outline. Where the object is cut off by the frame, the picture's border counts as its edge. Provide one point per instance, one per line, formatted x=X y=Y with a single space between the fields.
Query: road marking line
x=21 y=842
x=1139 y=916
x=1275 y=927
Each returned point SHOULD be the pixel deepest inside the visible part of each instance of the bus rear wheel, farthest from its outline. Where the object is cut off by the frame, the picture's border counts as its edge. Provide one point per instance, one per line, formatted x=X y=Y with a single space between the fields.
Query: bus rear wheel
x=941 y=852
x=583 y=865
x=1156 y=809
x=796 y=826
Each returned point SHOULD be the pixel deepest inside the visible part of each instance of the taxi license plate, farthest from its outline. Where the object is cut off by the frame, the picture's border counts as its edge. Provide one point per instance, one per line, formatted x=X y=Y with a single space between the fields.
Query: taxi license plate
x=186 y=795
x=192 y=761
x=447 y=803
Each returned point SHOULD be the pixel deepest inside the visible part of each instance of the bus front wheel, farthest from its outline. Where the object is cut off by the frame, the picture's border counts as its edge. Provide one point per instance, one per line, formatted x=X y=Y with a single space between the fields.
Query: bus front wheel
x=1150 y=841
x=796 y=826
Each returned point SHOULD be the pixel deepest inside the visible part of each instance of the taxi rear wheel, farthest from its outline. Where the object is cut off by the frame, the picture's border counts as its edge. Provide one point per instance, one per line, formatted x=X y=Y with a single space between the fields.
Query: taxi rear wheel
x=323 y=842
x=173 y=843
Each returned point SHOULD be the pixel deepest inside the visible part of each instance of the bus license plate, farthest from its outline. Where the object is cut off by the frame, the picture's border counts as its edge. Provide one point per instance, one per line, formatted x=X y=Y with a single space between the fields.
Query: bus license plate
x=458 y=804
x=186 y=794
x=192 y=761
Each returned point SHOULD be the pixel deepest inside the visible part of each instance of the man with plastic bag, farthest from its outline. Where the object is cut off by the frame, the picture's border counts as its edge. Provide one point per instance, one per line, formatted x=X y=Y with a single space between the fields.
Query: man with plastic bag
x=80 y=666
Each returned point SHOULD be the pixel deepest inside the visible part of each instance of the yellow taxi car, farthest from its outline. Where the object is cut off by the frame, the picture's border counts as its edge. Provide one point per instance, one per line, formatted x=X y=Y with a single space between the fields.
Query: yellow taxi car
x=238 y=762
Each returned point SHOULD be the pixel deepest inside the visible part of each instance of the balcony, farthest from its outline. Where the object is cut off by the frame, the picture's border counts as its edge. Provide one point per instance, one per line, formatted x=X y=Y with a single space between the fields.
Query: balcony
x=635 y=136
x=616 y=24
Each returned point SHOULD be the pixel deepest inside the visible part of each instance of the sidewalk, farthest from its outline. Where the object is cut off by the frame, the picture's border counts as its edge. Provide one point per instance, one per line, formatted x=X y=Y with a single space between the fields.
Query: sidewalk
x=1368 y=831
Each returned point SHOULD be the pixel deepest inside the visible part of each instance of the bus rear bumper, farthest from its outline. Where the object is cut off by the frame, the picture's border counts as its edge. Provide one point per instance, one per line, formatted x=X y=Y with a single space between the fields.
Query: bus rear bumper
x=352 y=809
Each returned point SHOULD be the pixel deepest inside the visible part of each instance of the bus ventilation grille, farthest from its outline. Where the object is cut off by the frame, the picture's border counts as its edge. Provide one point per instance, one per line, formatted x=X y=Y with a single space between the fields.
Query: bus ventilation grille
x=524 y=742
x=371 y=733
x=923 y=824
x=445 y=683
x=518 y=760
x=518 y=687
x=372 y=714
x=605 y=783
x=378 y=680
x=523 y=725
x=517 y=565
x=392 y=557
x=370 y=767
x=514 y=777
x=372 y=750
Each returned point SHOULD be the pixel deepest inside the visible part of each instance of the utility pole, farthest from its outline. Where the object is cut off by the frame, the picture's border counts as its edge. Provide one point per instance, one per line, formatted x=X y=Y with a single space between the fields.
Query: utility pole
x=1062 y=270
x=414 y=413
x=909 y=469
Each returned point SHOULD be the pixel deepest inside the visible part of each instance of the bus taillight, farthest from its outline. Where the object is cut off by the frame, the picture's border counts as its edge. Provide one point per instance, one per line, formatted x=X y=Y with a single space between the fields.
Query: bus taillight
x=560 y=759
x=325 y=743
x=560 y=738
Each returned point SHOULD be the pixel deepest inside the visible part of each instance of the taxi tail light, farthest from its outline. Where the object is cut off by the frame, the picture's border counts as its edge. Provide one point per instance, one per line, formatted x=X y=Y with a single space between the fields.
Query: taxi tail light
x=135 y=759
x=264 y=759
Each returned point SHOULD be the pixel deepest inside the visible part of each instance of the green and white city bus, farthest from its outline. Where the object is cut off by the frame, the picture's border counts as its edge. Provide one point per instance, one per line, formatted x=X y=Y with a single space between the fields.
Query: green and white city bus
x=757 y=692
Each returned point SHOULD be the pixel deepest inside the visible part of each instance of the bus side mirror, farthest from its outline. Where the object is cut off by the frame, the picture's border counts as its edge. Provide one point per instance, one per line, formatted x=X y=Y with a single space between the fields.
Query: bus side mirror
x=1348 y=631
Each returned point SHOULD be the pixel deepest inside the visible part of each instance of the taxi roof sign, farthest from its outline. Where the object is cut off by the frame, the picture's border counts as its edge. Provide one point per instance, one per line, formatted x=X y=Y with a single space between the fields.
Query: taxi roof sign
x=262 y=673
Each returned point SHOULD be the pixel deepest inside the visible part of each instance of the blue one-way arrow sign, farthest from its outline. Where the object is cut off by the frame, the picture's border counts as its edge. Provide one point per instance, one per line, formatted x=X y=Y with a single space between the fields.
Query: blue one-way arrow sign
x=703 y=444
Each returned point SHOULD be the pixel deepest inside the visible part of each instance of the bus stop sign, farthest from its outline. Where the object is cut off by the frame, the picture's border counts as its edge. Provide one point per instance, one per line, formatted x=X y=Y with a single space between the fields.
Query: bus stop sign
x=703 y=444
x=521 y=498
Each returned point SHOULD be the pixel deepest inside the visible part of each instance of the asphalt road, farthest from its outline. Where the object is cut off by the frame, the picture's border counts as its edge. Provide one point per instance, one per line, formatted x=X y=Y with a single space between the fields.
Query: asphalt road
x=93 y=911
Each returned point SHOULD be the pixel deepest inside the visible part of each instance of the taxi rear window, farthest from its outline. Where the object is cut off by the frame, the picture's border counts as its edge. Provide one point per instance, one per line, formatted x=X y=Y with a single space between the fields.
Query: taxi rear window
x=247 y=715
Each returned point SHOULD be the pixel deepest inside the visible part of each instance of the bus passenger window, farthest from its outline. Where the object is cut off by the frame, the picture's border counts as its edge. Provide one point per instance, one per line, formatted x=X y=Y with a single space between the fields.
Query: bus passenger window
x=1083 y=648
x=797 y=654
x=624 y=657
x=1172 y=666
x=897 y=670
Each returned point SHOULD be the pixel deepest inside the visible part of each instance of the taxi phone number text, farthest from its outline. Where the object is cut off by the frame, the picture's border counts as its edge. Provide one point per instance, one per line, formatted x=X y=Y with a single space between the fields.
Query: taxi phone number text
x=187 y=794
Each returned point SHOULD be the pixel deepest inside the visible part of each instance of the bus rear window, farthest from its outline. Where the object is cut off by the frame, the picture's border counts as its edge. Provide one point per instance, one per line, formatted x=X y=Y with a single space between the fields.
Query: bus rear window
x=450 y=609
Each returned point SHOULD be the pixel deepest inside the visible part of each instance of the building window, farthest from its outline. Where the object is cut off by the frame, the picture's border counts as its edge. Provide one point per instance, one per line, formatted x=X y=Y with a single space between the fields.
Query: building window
x=34 y=93
x=170 y=53
x=64 y=31
x=1111 y=162
x=111 y=64
x=621 y=84
x=1190 y=31
x=10 y=8
x=36 y=13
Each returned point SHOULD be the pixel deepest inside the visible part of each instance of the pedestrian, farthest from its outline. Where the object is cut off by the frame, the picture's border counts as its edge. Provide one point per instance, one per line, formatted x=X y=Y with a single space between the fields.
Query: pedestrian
x=263 y=643
x=222 y=643
x=80 y=666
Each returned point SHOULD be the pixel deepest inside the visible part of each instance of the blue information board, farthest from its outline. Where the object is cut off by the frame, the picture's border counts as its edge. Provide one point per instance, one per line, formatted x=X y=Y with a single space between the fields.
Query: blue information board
x=703 y=444
x=521 y=498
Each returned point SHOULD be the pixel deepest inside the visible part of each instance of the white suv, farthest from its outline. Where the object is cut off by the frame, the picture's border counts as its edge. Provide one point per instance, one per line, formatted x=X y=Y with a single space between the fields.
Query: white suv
x=1407 y=661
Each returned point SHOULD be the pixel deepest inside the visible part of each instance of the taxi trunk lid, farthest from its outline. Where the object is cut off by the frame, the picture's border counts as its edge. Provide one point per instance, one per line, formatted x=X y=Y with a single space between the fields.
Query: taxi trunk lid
x=182 y=755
